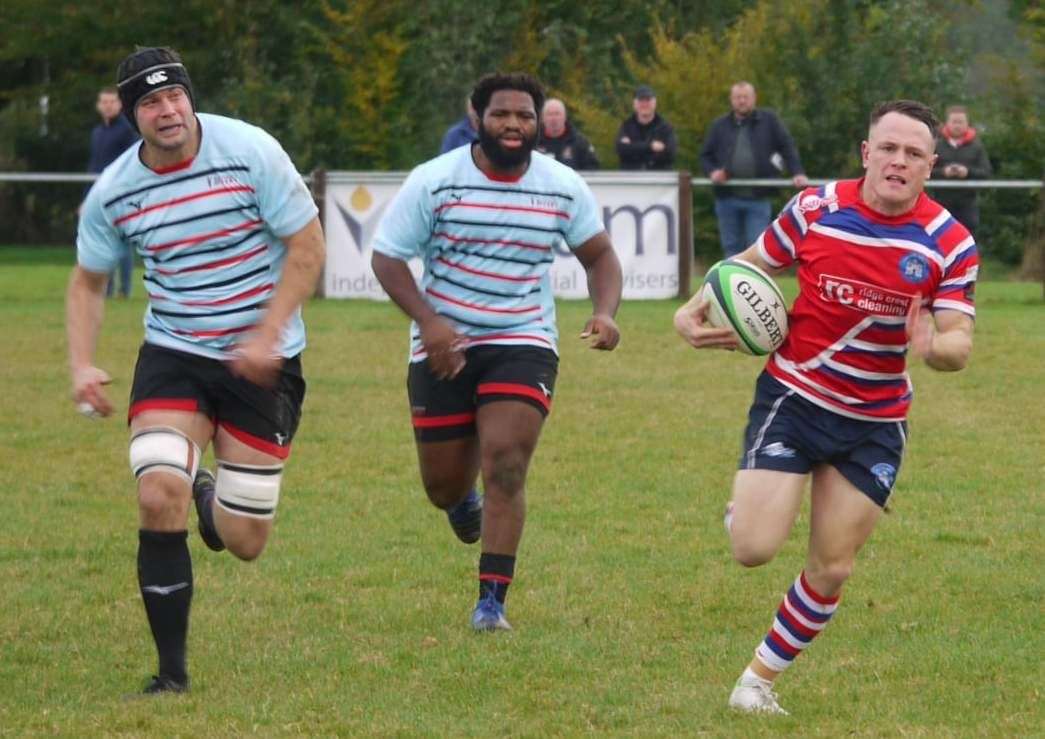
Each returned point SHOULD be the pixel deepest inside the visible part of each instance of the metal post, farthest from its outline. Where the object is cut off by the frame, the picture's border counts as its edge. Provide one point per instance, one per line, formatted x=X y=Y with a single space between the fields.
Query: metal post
x=685 y=233
x=318 y=184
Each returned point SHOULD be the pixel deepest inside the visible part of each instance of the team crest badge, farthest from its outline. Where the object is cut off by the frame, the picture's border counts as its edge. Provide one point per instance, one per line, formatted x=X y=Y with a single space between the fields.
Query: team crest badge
x=885 y=475
x=914 y=268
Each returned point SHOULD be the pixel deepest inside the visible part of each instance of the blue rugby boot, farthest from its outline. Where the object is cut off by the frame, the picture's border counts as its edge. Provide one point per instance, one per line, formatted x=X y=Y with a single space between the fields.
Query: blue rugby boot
x=466 y=518
x=489 y=615
x=202 y=495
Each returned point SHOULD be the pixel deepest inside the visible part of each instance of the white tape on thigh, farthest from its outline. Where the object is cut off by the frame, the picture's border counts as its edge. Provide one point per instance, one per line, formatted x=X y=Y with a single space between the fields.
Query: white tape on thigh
x=248 y=490
x=164 y=449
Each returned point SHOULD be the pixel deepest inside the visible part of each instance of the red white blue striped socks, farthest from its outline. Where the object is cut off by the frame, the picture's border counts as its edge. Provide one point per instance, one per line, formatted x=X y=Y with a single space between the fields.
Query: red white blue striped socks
x=802 y=615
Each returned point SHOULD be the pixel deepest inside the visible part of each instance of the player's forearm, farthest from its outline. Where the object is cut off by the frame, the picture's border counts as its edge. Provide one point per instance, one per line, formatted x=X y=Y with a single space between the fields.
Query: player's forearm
x=84 y=309
x=304 y=264
x=950 y=350
x=752 y=255
x=395 y=278
x=605 y=283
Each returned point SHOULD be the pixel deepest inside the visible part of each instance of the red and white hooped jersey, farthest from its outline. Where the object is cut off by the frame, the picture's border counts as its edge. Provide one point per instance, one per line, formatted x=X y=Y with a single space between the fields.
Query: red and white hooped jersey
x=858 y=273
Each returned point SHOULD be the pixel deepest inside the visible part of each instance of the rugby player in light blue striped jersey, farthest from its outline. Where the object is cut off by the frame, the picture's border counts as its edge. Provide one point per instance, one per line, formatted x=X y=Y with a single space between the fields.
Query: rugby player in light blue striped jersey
x=485 y=219
x=232 y=246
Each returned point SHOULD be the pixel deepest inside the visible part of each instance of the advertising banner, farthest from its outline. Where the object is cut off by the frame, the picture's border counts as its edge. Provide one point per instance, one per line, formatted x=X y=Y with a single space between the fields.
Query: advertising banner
x=639 y=210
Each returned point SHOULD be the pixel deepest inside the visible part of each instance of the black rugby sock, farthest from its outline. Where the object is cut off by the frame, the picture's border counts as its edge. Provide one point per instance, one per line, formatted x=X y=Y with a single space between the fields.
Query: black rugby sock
x=495 y=574
x=165 y=579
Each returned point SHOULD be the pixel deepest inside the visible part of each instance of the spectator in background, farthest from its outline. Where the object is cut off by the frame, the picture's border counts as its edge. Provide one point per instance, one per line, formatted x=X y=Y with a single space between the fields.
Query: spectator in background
x=465 y=131
x=746 y=143
x=961 y=156
x=109 y=139
x=562 y=141
x=645 y=140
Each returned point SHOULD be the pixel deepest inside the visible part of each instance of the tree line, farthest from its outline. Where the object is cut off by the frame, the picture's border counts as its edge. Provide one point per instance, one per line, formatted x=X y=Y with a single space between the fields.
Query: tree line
x=373 y=84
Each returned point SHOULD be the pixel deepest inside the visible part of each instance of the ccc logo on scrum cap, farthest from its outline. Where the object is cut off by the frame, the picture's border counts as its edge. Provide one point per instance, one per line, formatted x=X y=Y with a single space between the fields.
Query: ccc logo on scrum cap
x=156 y=78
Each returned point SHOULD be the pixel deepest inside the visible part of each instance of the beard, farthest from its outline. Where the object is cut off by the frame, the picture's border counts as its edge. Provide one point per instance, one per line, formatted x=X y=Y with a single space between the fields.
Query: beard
x=505 y=158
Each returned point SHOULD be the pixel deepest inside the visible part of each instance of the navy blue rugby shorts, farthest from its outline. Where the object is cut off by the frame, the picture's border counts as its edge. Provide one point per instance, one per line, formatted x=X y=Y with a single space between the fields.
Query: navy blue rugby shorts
x=787 y=433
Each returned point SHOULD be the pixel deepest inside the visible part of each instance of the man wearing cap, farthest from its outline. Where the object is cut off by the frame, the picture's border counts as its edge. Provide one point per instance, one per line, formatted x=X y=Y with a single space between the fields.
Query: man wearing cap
x=747 y=143
x=231 y=246
x=645 y=140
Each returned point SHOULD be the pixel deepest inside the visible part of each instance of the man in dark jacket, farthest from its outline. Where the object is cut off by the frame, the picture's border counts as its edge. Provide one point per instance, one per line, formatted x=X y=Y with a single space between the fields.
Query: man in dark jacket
x=747 y=143
x=109 y=139
x=559 y=139
x=465 y=131
x=960 y=156
x=645 y=140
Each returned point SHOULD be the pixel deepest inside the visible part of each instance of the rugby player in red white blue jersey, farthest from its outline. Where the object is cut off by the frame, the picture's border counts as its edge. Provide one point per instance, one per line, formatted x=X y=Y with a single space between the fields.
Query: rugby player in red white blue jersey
x=485 y=220
x=882 y=270
x=232 y=246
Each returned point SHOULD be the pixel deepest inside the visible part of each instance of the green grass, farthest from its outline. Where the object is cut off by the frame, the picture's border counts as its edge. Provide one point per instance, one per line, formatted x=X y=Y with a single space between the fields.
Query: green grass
x=631 y=618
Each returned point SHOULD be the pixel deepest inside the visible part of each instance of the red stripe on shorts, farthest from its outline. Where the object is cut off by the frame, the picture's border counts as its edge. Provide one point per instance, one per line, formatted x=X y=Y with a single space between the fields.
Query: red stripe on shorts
x=512 y=388
x=163 y=404
x=256 y=442
x=431 y=422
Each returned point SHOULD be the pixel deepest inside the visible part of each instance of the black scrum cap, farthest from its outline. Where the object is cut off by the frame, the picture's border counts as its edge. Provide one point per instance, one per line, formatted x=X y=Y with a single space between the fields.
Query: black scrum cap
x=148 y=70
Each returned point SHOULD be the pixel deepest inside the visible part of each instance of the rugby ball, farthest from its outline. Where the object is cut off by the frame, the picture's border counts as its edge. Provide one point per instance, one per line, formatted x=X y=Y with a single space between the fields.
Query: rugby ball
x=745 y=299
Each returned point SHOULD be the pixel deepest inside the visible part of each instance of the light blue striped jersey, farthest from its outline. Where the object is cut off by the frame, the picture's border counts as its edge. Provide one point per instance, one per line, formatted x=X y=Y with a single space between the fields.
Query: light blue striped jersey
x=487 y=244
x=208 y=231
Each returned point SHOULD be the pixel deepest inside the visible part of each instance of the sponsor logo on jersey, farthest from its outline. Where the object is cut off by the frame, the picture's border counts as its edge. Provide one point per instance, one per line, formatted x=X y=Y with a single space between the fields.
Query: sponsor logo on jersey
x=539 y=202
x=914 y=268
x=156 y=78
x=219 y=180
x=863 y=296
x=815 y=202
x=885 y=475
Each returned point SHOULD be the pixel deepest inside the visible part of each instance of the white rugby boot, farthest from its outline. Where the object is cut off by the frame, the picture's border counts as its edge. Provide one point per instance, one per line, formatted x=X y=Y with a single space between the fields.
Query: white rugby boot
x=753 y=694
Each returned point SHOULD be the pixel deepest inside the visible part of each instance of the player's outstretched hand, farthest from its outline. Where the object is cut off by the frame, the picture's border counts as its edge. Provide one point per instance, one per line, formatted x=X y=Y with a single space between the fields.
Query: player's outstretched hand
x=257 y=360
x=444 y=346
x=691 y=322
x=89 y=392
x=605 y=331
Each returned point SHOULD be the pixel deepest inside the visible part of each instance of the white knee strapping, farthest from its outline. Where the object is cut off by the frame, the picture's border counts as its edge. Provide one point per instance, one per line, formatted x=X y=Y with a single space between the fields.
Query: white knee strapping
x=248 y=490
x=164 y=449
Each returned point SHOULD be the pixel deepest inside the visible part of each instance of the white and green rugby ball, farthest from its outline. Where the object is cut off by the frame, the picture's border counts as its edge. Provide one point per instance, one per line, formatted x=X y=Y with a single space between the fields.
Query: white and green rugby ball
x=745 y=299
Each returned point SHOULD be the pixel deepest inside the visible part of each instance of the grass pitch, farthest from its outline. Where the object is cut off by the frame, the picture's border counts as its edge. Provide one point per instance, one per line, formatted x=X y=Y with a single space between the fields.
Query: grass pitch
x=630 y=617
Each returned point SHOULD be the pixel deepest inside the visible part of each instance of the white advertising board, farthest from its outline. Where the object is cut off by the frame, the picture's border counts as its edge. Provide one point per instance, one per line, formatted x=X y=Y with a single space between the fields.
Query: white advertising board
x=639 y=210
